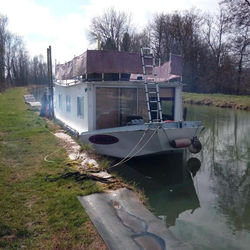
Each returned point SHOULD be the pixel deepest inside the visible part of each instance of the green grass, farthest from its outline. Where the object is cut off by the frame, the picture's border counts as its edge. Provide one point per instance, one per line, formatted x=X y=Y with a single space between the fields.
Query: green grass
x=218 y=100
x=86 y=147
x=36 y=213
x=104 y=163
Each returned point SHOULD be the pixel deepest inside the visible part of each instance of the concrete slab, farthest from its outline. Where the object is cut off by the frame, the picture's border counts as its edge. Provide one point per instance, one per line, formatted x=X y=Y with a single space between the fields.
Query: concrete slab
x=35 y=104
x=30 y=99
x=125 y=223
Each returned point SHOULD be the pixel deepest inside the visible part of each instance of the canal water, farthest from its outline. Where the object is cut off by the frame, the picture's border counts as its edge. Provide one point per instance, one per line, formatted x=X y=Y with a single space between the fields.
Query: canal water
x=204 y=199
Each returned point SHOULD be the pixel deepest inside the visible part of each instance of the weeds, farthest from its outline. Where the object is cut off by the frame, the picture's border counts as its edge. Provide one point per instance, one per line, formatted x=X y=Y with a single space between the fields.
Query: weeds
x=104 y=163
x=86 y=147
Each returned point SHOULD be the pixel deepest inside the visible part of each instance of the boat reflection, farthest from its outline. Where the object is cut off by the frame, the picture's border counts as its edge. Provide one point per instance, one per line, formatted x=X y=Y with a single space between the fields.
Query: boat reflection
x=167 y=182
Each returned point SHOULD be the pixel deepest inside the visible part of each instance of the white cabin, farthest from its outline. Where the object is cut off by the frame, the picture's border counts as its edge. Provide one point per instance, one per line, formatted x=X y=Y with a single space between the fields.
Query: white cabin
x=88 y=106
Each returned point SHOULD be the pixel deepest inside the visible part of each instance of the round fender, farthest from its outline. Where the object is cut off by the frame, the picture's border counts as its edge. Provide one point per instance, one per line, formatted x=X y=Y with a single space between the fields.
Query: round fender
x=194 y=165
x=195 y=146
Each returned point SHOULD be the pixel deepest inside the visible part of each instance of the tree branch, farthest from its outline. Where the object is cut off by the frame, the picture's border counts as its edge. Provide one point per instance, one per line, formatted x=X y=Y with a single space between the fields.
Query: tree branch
x=247 y=2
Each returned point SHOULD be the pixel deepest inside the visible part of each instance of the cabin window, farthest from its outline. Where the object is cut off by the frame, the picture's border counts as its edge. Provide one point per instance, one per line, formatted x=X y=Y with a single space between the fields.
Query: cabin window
x=68 y=108
x=125 y=77
x=80 y=106
x=120 y=107
x=123 y=106
x=111 y=77
x=127 y=105
x=107 y=100
x=167 y=98
x=60 y=101
x=94 y=77
x=142 y=105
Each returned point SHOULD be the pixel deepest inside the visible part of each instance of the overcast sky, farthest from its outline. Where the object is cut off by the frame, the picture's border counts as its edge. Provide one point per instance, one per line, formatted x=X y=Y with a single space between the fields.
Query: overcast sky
x=63 y=24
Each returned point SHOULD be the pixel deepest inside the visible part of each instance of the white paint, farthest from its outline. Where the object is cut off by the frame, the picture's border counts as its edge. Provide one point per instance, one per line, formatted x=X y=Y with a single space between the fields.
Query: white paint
x=71 y=118
x=88 y=91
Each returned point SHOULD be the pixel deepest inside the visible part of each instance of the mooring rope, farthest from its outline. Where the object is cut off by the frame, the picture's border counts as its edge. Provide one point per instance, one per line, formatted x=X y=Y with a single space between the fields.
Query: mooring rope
x=126 y=159
x=165 y=133
x=131 y=151
x=145 y=143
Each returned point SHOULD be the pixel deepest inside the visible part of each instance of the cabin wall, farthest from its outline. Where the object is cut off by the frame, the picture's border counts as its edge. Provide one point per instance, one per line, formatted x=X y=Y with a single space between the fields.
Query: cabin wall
x=71 y=106
x=91 y=92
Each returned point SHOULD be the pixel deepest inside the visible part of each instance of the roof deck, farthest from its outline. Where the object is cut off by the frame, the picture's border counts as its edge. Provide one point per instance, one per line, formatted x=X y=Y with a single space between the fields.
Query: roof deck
x=100 y=65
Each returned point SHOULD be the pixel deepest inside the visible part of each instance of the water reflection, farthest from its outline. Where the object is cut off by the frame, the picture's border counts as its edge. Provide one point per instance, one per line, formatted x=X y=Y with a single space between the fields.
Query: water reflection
x=211 y=210
x=226 y=157
x=167 y=182
x=223 y=181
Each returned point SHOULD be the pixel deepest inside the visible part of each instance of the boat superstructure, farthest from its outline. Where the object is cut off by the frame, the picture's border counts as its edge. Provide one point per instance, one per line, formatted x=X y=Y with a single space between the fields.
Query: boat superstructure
x=123 y=104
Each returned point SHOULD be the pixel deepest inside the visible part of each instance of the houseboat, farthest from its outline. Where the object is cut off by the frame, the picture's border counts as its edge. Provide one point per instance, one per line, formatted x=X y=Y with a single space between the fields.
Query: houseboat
x=123 y=104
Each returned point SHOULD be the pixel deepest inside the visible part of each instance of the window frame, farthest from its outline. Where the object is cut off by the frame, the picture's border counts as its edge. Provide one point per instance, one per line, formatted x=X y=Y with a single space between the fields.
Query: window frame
x=80 y=106
x=60 y=101
x=68 y=103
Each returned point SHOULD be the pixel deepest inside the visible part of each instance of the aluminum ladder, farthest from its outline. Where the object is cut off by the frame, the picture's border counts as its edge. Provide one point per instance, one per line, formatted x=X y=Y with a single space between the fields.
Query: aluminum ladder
x=151 y=85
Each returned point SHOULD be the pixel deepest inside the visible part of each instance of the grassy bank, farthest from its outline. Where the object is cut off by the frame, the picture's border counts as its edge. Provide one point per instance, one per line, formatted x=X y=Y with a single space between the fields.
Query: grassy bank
x=36 y=213
x=218 y=100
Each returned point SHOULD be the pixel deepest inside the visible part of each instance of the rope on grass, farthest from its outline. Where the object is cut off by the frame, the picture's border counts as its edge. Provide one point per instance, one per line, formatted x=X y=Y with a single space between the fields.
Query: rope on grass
x=78 y=177
x=46 y=157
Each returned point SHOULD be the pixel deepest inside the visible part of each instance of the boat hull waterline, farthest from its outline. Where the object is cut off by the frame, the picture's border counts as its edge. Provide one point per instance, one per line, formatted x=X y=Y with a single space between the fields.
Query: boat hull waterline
x=140 y=140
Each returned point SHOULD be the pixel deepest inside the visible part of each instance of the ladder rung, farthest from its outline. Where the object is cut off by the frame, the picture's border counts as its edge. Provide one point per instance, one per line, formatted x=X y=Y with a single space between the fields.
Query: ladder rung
x=152 y=92
x=153 y=101
x=151 y=83
x=148 y=57
x=149 y=66
x=154 y=110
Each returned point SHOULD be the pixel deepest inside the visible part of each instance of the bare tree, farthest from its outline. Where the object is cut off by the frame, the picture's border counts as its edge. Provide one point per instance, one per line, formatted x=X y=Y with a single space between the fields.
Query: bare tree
x=16 y=67
x=158 y=25
x=3 y=24
x=38 y=70
x=241 y=52
x=126 y=42
x=110 y=27
x=11 y=46
x=238 y=12
x=216 y=36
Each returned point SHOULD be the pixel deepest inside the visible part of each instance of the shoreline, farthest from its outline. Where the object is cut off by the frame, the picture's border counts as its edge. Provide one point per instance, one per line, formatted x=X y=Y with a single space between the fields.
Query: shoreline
x=236 y=102
x=45 y=166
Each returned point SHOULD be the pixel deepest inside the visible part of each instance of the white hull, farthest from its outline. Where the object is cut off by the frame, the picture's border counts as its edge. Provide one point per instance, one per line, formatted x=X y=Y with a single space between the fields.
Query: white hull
x=141 y=140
